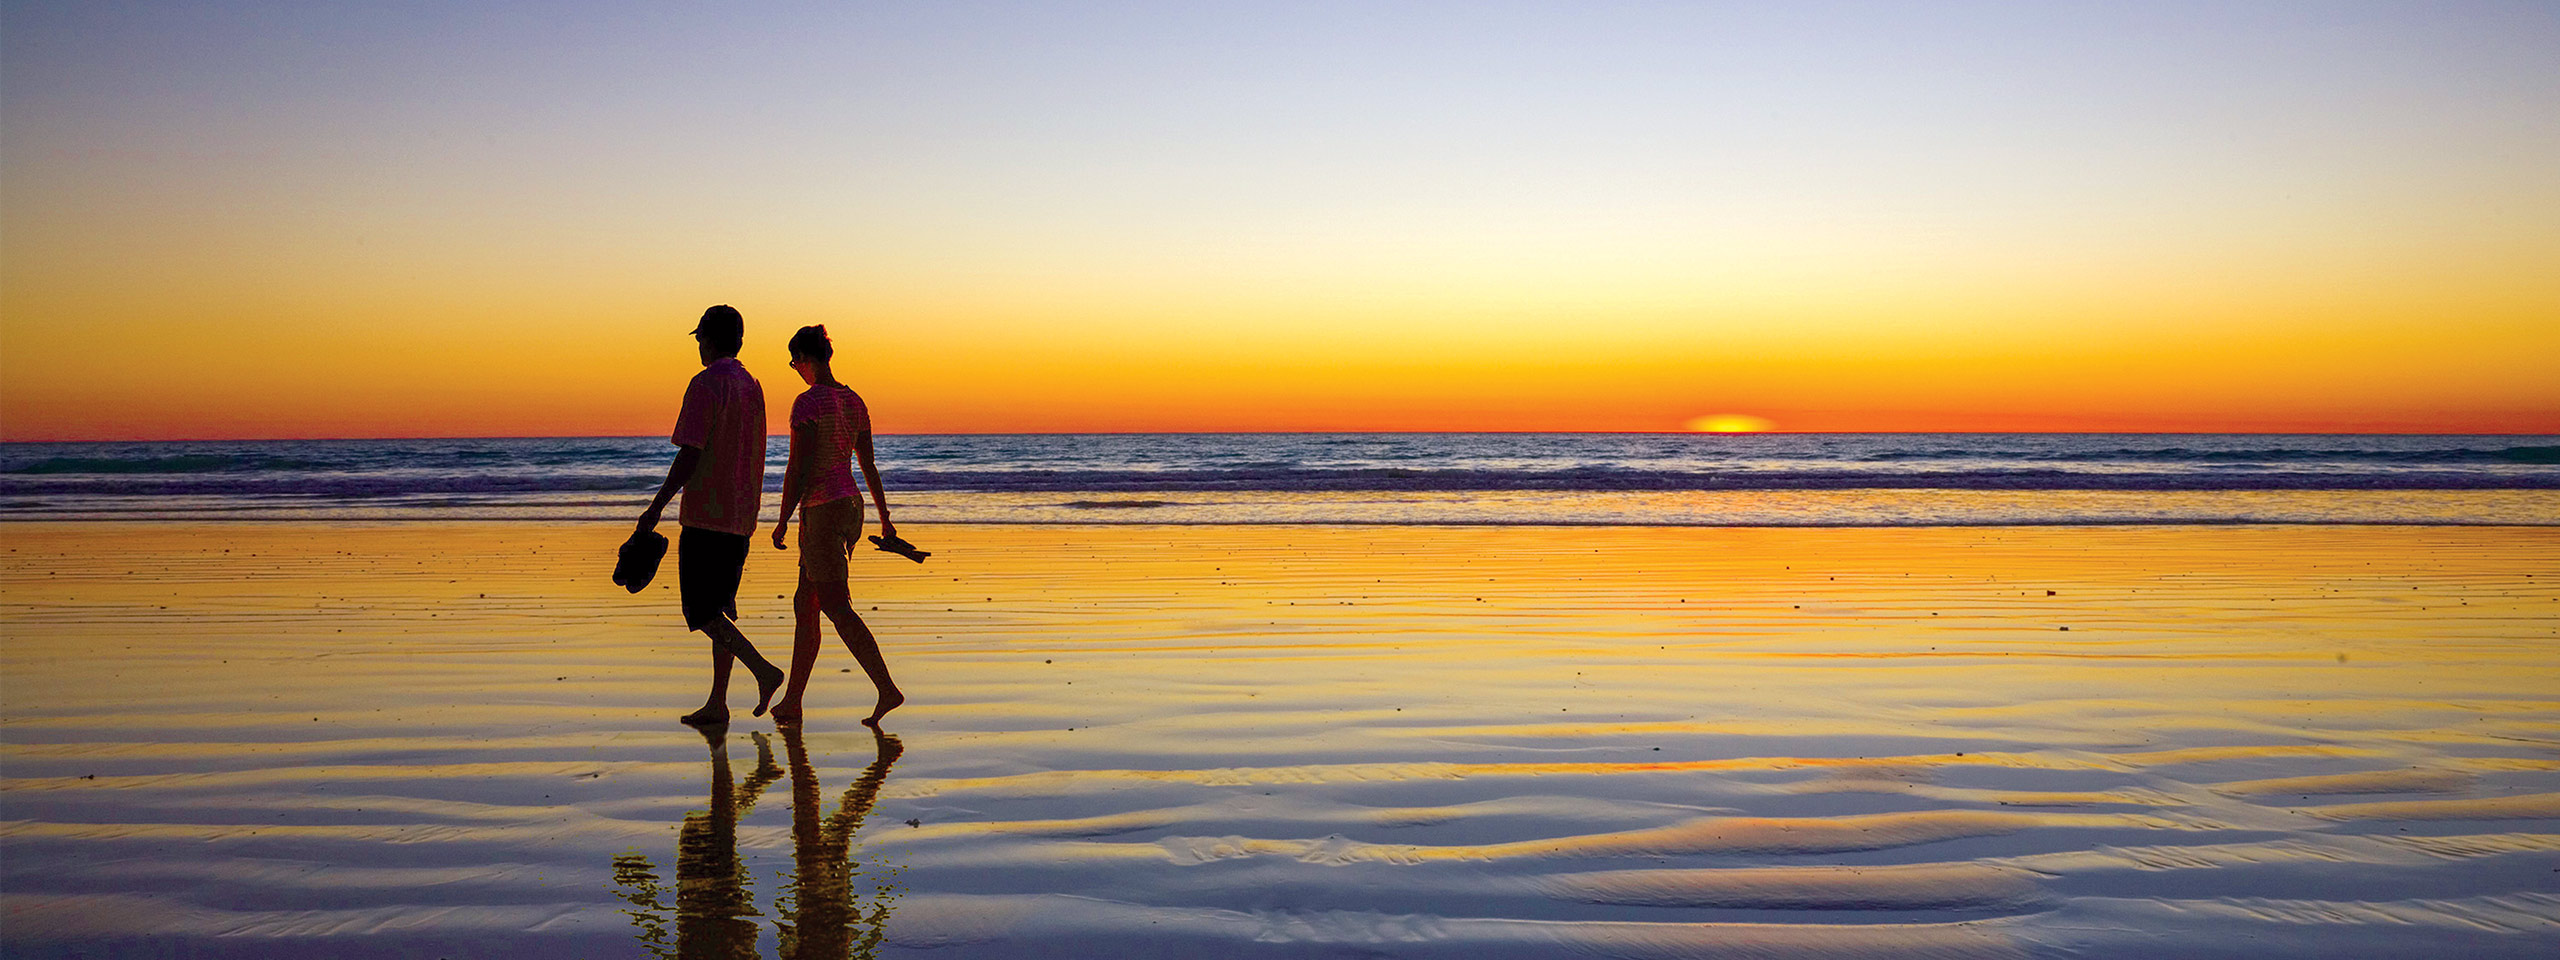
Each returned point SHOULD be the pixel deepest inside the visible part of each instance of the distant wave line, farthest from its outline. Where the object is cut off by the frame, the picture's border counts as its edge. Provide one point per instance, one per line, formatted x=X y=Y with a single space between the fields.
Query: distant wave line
x=1378 y=480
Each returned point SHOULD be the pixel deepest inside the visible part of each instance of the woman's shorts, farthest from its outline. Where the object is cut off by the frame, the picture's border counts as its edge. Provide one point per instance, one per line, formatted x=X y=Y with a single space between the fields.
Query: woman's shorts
x=826 y=538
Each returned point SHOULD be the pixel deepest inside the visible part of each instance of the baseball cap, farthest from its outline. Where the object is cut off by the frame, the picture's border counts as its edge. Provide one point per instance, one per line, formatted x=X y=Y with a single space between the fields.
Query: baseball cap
x=721 y=321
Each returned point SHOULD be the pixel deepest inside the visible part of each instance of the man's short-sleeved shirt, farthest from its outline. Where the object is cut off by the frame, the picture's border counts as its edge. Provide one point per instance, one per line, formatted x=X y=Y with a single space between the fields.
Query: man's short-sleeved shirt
x=724 y=417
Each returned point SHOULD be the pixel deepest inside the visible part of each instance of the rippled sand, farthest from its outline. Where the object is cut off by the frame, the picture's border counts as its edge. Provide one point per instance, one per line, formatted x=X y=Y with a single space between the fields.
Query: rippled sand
x=457 y=739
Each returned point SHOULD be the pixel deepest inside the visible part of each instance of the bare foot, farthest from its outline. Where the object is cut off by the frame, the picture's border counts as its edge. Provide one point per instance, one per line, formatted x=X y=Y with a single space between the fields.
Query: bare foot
x=766 y=685
x=888 y=701
x=708 y=716
x=786 y=713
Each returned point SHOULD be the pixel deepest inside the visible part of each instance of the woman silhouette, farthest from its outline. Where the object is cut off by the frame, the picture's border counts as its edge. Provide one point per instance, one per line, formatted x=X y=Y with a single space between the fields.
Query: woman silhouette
x=830 y=428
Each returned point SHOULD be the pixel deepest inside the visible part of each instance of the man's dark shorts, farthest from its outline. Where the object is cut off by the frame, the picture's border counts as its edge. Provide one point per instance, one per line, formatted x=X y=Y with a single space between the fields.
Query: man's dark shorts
x=708 y=563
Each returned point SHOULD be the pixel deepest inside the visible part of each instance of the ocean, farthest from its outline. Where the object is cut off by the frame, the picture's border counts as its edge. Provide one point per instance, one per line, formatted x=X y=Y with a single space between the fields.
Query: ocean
x=1431 y=478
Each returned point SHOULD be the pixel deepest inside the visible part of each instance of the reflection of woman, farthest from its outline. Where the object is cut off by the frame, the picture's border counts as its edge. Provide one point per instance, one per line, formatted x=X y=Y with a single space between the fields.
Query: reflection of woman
x=830 y=427
x=821 y=922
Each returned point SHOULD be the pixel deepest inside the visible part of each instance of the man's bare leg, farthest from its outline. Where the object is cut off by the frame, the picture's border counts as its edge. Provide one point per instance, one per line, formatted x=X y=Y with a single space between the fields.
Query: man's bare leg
x=716 y=709
x=768 y=677
x=857 y=638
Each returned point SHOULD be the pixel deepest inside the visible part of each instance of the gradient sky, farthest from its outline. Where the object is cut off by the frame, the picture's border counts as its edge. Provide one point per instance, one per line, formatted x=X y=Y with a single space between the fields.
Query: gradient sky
x=476 y=219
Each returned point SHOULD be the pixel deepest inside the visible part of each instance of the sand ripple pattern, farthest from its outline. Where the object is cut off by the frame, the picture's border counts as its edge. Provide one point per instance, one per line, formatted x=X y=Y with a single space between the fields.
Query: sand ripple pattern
x=455 y=740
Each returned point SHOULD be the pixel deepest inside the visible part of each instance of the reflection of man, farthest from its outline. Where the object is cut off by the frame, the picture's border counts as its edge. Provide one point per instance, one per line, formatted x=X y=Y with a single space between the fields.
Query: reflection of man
x=720 y=467
x=822 y=922
x=712 y=902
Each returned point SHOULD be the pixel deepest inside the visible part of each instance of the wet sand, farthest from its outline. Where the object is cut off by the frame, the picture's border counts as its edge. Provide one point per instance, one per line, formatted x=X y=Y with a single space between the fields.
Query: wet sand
x=458 y=739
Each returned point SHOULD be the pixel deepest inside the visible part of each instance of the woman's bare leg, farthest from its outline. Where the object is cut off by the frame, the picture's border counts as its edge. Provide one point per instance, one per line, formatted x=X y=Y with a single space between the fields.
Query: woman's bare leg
x=857 y=638
x=804 y=652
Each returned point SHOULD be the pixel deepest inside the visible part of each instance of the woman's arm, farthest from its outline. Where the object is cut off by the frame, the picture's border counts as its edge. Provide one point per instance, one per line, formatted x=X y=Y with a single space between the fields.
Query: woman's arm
x=871 y=473
x=791 y=470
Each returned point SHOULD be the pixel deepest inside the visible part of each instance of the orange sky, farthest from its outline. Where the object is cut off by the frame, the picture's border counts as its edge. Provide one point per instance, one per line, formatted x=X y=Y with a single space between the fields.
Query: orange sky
x=1246 y=220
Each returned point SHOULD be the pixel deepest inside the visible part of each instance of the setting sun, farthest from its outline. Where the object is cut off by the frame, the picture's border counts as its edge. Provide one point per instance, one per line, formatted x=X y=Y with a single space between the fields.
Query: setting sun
x=1730 y=423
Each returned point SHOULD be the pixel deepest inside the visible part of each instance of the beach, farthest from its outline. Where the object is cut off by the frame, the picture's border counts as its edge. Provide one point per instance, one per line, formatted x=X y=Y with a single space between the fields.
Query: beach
x=1404 y=481
x=456 y=738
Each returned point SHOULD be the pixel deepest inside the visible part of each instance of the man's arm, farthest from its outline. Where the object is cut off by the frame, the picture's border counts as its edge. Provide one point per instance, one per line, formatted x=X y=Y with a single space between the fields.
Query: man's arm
x=688 y=461
x=692 y=433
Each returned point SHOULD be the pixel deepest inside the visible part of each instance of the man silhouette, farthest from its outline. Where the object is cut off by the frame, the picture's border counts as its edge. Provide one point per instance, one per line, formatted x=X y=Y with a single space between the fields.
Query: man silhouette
x=720 y=467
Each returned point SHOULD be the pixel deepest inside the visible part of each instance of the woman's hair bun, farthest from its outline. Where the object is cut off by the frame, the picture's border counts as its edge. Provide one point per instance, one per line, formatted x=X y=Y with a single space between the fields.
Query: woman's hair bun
x=812 y=343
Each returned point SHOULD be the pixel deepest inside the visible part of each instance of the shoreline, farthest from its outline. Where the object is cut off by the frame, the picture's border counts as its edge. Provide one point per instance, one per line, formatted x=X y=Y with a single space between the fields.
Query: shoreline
x=1435 y=524
x=1492 y=508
